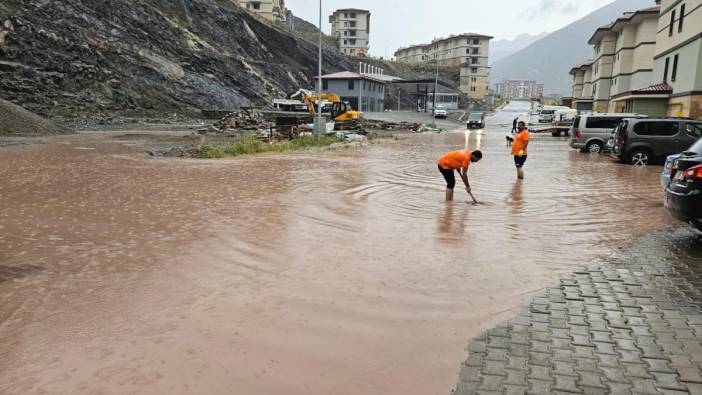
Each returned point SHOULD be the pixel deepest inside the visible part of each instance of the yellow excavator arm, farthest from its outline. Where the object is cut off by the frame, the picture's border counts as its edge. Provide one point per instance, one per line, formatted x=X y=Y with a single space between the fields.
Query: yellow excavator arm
x=341 y=112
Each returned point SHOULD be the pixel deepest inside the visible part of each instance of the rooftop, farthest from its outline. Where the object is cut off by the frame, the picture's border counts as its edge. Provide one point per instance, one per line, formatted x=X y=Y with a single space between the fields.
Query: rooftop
x=350 y=75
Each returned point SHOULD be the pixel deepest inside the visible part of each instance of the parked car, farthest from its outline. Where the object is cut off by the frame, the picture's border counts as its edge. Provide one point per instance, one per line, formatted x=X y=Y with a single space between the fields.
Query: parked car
x=590 y=132
x=547 y=113
x=684 y=193
x=640 y=141
x=668 y=169
x=440 y=112
x=563 y=121
x=476 y=120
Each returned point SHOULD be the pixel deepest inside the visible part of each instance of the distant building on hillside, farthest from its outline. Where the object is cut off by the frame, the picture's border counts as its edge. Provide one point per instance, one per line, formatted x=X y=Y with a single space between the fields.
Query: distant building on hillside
x=470 y=51
x=351 y=27
x=520 y=89
x=272 y=10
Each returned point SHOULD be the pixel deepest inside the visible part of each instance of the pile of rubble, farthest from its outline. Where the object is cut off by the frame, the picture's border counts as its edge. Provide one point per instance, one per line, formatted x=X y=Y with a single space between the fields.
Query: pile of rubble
x=371 y=124
x=245 y=120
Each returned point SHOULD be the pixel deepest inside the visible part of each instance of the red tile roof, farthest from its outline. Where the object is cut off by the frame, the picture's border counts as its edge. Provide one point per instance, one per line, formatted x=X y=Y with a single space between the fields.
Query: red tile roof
x=656 y=89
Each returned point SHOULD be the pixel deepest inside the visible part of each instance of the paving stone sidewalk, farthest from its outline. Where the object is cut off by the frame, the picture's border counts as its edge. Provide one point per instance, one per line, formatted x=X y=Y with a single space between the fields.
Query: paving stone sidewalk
x=631 y=324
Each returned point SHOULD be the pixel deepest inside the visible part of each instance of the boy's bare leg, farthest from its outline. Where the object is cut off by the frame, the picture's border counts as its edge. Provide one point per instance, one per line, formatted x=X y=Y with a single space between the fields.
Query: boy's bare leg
x=520 y=173
x=449 y=195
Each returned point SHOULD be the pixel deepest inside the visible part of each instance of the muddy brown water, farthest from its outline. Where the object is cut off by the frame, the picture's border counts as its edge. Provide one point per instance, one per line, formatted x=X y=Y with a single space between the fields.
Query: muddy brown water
x=313 y=273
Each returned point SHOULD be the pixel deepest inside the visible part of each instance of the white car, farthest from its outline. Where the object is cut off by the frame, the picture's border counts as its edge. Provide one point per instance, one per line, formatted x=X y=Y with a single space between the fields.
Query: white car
x=440 y=112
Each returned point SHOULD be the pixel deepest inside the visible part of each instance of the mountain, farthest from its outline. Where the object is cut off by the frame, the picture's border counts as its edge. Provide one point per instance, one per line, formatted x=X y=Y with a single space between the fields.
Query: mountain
x=549 y=59
x=78 y=58
x=502 y=48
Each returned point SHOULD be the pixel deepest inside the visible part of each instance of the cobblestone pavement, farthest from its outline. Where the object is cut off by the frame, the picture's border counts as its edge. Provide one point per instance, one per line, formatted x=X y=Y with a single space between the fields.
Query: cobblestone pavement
x=631 y=324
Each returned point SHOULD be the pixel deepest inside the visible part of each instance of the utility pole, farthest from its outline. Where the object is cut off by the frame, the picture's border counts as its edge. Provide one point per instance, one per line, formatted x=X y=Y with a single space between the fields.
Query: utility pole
x=399 y=98
x=318 y=128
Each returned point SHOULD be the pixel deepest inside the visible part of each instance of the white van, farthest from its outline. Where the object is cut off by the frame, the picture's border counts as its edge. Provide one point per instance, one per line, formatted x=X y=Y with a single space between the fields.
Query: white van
x=565 y=115
x=547 y=113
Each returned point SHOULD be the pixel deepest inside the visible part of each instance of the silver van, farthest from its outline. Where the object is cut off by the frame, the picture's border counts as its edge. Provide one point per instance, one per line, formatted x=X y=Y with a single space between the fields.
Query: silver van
x=590 y=132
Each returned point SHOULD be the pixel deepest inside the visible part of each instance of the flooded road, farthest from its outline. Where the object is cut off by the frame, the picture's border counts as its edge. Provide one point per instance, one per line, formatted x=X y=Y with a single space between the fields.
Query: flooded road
x=315 y=273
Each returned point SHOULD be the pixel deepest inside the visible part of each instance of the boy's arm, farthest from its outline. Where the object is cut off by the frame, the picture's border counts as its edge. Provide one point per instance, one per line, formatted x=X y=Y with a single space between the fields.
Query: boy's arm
x=464 y=177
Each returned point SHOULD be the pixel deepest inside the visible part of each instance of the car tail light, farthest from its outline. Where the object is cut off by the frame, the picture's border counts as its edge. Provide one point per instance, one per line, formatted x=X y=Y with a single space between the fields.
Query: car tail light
x=577 y=134
x=694 y=173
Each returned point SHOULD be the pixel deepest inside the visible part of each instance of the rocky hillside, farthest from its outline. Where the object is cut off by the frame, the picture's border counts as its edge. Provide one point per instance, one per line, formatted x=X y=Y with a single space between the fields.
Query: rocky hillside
x=75 y=58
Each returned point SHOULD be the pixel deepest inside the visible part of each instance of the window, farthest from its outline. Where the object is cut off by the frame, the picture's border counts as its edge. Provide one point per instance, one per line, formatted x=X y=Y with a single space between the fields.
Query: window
x=256 y=6
x=472 y=89
x=602 y=122
x=352 y=33
x=665 y=70
x=352 y=23
x=352 y=15
x=675 y=68
x=473 y=69
x=352 y=85
x=476 y=51
x=352 y=42
x=682 y=18
x=476 y=42
x=694 y=129
x=346 y=15
x=467 y=50
x=656 y=128
x=672 y=23
x=346 y=42
x=474 y=60
x=346 y=33
x=325 y=85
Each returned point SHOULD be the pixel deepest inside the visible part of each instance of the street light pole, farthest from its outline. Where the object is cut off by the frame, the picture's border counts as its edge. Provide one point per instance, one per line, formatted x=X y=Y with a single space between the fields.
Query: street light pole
x=436 y=86
x=318 y=129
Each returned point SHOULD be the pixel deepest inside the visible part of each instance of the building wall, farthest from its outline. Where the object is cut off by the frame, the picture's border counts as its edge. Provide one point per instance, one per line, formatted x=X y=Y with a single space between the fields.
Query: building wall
x=602 y=66
x=578 y=79
x=450 y=51
x=633 y=61
x=373 y=93
x=352 y=29
x=587 y=82
x=686 y=44
x=520 y=89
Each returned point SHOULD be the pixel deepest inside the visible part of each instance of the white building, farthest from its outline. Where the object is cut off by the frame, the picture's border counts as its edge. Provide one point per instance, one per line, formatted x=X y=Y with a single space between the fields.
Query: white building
x=272 y=10
x=520 y=89
x=351 y=26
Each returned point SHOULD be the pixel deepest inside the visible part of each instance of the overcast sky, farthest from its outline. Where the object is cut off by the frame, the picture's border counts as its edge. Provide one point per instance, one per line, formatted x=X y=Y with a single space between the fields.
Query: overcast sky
x=396 y=23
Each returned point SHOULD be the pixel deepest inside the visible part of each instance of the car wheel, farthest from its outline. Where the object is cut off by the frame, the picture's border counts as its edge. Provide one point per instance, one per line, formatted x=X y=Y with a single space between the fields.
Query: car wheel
x=639 y=157
x=594 y=147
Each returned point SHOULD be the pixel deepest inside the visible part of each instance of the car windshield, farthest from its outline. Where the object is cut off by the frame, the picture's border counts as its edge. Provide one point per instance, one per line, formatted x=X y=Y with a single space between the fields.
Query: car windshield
x=439 y=108
x=475 y=116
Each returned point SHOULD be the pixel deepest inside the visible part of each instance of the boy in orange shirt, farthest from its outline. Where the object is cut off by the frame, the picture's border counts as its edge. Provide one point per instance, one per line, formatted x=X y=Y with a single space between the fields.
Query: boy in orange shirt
x=459 y=161
x=519 y=148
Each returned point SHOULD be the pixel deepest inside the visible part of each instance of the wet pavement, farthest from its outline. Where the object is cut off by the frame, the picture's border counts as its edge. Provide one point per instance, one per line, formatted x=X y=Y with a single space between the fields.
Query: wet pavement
x=628 y=324
x=334 y=272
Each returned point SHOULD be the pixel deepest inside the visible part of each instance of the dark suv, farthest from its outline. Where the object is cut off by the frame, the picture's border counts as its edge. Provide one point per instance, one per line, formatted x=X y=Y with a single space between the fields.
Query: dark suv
x=640 y=141
x=684 y=192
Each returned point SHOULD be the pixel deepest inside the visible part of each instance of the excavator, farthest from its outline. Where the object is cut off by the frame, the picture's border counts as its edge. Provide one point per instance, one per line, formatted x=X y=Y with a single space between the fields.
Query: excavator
x=303 y=100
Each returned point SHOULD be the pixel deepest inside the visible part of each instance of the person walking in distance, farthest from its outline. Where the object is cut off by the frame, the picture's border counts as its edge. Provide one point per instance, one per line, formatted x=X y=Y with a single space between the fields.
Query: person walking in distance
x=519 y=148
x=514 y=125
x=458 y=161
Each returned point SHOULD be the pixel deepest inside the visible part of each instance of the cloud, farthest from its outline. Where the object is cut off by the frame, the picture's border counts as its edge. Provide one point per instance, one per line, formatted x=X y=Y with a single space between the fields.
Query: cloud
x=550 y=7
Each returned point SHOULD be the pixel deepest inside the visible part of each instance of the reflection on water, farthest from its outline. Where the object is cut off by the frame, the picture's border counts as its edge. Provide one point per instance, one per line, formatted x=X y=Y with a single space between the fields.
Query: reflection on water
x=340 y=272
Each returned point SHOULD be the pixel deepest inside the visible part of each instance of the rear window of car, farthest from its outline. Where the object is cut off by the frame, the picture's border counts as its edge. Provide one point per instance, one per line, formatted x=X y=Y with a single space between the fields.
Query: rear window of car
x=602 y=122
x=475 y=116
x=656 y=128
x=547 y=112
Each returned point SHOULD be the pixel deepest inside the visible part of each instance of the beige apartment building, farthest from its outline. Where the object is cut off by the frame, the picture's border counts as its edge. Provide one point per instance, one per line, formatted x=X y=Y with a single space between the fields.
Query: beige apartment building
x=633 y=60
x=351 y=26
x=271 y=10
x=604 y=42
x=678 y=58
x=582 y=86
x=657 y=63
x=470 y=51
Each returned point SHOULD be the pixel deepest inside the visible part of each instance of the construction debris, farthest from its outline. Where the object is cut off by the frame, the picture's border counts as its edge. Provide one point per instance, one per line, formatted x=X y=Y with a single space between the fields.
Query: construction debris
x=249 y=120
x=371 y=124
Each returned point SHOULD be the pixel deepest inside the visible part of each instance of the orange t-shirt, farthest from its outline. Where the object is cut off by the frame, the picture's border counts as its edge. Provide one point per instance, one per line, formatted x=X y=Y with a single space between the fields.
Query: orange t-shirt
x=455 y=160
x=520 y=141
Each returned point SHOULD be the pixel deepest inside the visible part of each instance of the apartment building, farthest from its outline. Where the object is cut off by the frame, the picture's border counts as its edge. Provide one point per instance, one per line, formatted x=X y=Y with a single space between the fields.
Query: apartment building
x=604 y=42
x=519 y=89
x=469 y=51
x=271 y=10
x=657 y=64
x=453 y=50
x=678 y=58
x=351 y=26
x=582 y=86
x=633 y=61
